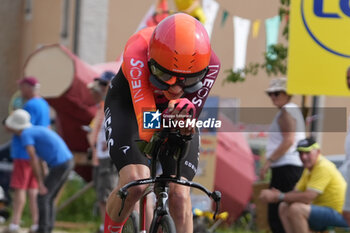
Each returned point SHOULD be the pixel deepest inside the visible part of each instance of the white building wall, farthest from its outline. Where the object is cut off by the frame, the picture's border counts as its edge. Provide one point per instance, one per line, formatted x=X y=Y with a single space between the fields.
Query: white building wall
x=93 y=31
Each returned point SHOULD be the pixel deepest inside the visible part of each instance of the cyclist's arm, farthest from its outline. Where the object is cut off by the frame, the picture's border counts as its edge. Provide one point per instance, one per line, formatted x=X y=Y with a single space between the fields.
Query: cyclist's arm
x=136 y=71
x=198 y=98
x=143 y=100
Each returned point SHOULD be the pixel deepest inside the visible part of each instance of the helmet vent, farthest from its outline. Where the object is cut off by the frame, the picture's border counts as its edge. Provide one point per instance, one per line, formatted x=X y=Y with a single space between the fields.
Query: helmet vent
x=176 y=52
x=175 y=59
x=176 y=66
x=190 y=67
x=194 y=54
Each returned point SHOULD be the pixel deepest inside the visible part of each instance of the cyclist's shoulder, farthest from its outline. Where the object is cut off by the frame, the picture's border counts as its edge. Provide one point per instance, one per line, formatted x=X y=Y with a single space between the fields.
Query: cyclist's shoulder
x=214 y=59
x=135 y=55
x=140 y=38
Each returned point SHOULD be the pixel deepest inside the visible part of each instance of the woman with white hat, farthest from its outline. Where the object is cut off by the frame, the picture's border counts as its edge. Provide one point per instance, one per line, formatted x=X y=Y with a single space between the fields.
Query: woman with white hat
x=286 y=129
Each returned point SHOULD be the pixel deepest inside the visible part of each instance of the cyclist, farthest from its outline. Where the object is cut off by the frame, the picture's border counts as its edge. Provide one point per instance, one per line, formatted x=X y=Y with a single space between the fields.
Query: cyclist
x=168 y=67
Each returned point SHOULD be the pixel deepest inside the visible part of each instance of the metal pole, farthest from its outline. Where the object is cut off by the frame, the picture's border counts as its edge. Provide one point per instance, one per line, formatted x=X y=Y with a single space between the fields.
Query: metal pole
x=317 y=115
x=76 y=27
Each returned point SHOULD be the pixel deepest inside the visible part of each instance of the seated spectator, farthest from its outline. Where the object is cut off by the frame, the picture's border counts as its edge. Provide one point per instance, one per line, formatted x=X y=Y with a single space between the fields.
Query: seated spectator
x=317 y=201
x=43 y=143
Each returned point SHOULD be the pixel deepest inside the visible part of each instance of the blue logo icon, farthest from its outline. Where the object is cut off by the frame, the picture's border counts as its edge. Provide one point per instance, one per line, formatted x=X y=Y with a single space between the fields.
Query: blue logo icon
x=151 y=120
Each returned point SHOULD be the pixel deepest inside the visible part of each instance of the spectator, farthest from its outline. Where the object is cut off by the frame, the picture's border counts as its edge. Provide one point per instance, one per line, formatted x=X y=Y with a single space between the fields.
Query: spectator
x=286 y=130
x=317 y=201
x=191 y=7
x=37 y=107
x=161 y=12
x=104 y=171
x=43 y=143
x=22 y=178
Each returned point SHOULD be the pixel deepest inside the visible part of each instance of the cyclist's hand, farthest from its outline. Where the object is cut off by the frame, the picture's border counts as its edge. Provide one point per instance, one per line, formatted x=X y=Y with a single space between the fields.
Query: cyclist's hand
x=183 y=110
x=182 y=105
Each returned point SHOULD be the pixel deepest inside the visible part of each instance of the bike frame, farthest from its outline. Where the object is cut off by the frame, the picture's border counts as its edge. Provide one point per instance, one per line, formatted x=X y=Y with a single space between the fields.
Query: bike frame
x=161 y=185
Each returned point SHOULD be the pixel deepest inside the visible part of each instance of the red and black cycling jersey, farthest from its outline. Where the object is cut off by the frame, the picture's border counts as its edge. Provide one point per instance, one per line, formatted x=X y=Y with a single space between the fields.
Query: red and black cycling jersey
x=144 y=95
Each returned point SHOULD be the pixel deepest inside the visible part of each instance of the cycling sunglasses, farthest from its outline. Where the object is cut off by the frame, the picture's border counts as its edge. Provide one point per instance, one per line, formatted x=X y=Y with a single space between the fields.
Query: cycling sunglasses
x=163 y=78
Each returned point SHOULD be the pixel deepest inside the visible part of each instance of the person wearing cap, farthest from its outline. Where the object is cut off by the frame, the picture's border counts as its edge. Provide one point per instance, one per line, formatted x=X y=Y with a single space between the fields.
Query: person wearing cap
x=37 y=106
x=317 y=200
x=22 y=177
x=286 y=129
x=104 y=171
x=42 y=143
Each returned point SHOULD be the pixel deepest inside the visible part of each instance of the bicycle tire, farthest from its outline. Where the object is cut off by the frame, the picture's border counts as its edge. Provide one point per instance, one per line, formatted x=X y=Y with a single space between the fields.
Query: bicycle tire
x=132 y=224
x=164 y=224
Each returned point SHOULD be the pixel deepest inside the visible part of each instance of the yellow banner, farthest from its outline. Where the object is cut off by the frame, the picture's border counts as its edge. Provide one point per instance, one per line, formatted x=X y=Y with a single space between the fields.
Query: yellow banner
x=207 y=162
x=319 y=47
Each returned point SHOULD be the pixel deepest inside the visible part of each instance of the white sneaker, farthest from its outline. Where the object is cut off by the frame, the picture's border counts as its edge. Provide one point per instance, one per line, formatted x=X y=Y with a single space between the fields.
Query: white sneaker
x=8 y=230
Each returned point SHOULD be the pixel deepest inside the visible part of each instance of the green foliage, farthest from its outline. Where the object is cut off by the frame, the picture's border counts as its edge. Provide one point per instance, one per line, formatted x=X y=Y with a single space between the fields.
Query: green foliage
x=275 y=60
x=275 y=64
x=80 y=210
x=284 y=14
x=238 y=76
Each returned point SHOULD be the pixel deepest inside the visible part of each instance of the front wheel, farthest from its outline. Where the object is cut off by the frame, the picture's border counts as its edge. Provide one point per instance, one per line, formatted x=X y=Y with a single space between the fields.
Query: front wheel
x=132 y=224
x=163 y=224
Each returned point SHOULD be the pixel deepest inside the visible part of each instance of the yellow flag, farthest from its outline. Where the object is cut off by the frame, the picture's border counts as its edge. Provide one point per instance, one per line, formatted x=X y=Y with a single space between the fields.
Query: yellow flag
x=319 y=47
x=256 y=27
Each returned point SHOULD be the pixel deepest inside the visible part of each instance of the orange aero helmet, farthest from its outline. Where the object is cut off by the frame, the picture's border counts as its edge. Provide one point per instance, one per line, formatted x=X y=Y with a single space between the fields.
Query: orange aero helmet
x=180 y=44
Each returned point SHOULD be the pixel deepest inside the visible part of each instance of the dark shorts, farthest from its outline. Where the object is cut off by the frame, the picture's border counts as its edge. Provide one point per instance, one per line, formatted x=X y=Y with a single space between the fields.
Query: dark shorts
x=122 y=133
x=284 y=179
x=322 y=217
x=105 y=178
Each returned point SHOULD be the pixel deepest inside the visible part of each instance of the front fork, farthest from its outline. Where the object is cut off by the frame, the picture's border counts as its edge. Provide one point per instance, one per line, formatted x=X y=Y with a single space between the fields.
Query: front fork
x=162 y=194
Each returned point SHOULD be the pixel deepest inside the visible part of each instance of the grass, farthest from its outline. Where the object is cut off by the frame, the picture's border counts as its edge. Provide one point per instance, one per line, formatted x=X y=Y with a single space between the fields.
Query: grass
x=83 y=210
